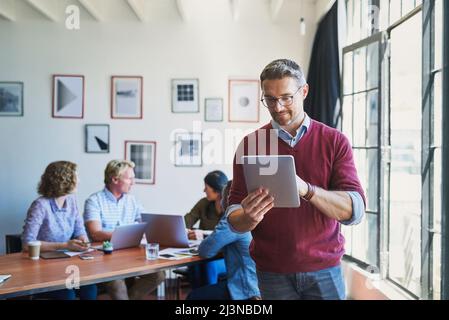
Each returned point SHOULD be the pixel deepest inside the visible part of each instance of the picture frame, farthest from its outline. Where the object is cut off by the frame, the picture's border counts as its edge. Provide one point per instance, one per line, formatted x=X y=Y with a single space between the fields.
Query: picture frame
x=213 y=109
x=11 y=99
x=188 y=149
x=244 y=101
x=68 y=96
x=97 y=138
x=185 y=96
x=143 y=154
x=127 y=97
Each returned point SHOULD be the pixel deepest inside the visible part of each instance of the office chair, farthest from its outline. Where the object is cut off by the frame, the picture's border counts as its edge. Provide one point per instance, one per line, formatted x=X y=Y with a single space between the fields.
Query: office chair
x=13 y=243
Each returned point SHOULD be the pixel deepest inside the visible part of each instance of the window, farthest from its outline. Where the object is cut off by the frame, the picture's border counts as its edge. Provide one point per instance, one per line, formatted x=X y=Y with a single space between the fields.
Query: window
x=392 y=114
x=360 y=121
x=404 y=232
x=436 y=172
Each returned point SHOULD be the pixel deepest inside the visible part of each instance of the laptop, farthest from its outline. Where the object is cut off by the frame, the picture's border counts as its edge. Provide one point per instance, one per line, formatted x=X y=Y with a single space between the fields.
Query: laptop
x=167 y=230
x=127 y=236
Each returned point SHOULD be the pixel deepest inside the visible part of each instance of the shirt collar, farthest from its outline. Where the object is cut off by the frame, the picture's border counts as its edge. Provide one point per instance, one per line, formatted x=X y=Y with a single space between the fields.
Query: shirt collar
x=301 y=130
x=110 y=196
x=55 y=208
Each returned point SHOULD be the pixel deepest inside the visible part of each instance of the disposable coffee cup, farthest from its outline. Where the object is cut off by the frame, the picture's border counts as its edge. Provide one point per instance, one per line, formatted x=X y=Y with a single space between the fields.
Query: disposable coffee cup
x=34 y=249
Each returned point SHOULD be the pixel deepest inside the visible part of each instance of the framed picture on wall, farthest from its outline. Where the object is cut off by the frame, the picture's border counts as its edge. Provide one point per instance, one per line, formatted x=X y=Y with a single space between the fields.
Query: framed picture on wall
x=185 y=93
x=213 y=110
x=143 y=154
x=68 y=96
x=97 y=138
x=244 y=104
x=127 y=97
x=188 y=150
x=11 y=99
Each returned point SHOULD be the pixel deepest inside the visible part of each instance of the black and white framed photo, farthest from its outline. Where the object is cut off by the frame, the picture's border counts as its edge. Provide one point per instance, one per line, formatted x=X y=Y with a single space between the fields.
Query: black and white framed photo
x=185 y=96
x=188 y=150
x=68 y=96
x=127 y=97
x=143 y=154
x=97 y=138
x=244 y=98
x=213 y=109
x=11 y=99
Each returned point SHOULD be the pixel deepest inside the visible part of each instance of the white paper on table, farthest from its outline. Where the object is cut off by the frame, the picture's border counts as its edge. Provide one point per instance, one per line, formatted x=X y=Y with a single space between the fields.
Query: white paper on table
x=4 y=277
x=175 y=253
x=77 y=253
x=194 y=243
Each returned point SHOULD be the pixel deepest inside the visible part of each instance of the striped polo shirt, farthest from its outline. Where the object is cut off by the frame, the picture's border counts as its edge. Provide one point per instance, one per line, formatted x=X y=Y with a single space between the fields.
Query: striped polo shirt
x=104 y=207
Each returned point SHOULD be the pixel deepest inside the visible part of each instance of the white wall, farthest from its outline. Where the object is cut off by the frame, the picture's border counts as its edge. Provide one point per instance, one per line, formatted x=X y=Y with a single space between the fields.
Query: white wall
x=322 y=7
x=210 y=47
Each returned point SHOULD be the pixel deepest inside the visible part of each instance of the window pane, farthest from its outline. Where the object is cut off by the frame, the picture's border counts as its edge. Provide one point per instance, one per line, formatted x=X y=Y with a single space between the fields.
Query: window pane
x=437 y=190
x=360 y=69
x=437 y=110
x=438 y=34
x=437 y=267
x=347 y=117
x=407 y=6
x=347 y=77
x=350 y=22
x=359 y=115
x=373 y=66
x=357 y=24
x=346 y=231
x=366 y=26
x=366 y=162
x=373 y=118
x=384 y=14
x=364 y=240
x=372 y=185
x=360 y=161
x=405 y=175
x=437 y=225
x=395 y=11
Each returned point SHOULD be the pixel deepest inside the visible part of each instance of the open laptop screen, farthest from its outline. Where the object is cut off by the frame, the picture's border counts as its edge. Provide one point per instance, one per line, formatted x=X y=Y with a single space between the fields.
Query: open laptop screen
x=165 y=229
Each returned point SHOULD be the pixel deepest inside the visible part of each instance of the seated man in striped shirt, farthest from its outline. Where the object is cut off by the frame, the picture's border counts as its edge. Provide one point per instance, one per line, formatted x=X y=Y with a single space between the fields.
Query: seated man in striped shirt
x=112 y=207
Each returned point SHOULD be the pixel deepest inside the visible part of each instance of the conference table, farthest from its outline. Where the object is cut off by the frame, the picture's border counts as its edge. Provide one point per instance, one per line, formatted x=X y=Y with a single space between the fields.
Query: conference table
x=37 y=276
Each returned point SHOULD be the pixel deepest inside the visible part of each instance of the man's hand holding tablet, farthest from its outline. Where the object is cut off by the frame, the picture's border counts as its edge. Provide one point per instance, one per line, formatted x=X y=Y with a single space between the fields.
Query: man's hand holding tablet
x=255 y=206
x=277 y=174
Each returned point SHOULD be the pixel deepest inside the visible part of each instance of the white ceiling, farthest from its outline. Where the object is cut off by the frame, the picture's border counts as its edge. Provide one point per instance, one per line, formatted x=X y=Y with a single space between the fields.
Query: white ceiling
x=155 y=10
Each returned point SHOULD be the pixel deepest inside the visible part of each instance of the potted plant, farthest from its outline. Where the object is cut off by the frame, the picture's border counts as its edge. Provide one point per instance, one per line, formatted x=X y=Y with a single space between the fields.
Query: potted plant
x=107 y=247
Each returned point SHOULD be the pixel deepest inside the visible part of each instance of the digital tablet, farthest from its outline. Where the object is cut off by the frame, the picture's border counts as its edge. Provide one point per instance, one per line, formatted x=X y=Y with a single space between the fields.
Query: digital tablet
x=277 y=174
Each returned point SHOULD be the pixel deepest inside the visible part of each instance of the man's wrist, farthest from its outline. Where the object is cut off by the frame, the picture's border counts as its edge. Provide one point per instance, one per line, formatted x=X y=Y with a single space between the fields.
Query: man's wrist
x=311 y=189
x=302 y=187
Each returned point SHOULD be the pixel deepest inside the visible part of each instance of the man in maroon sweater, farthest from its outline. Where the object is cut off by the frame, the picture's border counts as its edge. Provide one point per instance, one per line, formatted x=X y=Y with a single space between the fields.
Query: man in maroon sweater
x=297 y=250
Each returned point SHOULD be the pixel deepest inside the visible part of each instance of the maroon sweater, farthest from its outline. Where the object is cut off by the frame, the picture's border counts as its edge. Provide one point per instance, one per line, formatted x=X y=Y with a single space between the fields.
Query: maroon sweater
x=301 y=239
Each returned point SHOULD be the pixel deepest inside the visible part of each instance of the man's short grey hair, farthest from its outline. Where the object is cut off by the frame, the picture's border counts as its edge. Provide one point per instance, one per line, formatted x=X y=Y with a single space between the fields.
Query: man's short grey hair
x=279 y=69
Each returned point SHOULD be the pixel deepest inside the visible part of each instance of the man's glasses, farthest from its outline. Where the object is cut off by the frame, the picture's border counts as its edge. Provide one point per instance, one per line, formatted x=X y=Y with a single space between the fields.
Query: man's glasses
x=285 y=101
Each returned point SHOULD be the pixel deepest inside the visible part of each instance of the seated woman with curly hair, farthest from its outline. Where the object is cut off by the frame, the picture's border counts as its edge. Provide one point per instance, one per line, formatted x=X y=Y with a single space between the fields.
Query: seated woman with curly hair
x=54 y=220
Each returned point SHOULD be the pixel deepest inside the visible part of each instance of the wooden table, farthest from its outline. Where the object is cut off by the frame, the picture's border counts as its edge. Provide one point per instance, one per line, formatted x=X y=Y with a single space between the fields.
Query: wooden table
x=31 y=277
